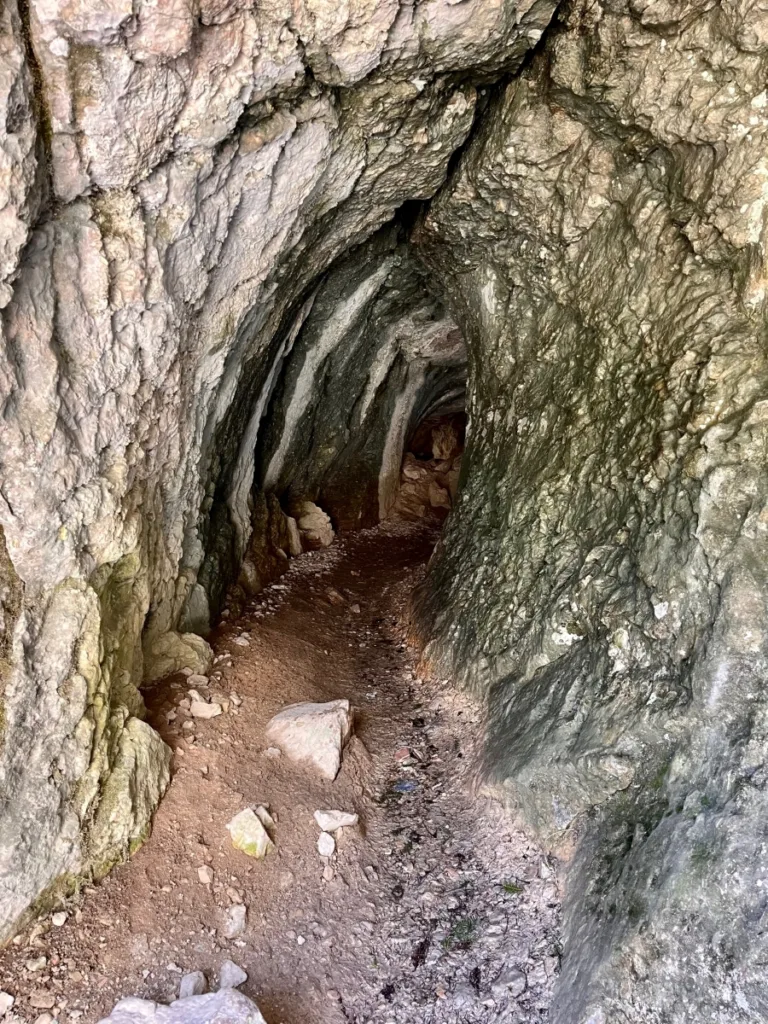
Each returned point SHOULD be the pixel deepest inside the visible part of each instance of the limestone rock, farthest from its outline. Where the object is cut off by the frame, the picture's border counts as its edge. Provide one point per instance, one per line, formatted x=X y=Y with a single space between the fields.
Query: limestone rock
x=329 y=821
x=314 y=526
x=214 y=1008
x=171 y=652
x=313 y=733
x=234 y=923
x=204 y=709
x=193 y=984
x=6 y=1002
x=326 y=845
x=249 y=835
x=230 y=975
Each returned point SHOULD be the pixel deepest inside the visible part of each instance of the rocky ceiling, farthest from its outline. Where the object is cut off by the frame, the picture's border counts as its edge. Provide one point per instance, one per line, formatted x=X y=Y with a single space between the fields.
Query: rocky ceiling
x=241 y=245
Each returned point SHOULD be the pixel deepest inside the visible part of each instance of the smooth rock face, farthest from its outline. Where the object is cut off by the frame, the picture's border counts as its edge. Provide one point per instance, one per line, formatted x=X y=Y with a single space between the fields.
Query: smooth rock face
x=313 y=733
x=228 y=1006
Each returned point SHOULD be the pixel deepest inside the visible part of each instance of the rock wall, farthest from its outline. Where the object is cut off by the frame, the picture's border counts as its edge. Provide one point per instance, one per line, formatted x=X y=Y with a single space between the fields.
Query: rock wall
x=176 y=180
x=210 y=304
x=604 y=579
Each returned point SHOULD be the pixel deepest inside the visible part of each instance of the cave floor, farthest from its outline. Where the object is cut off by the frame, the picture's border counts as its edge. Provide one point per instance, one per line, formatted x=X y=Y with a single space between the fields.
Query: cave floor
x=438 y=908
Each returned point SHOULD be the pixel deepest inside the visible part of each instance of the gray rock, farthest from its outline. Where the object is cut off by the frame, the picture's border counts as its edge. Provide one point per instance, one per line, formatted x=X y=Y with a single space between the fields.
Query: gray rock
x=193 y=984
x=225 y=1005
x=234 y=921
x=230 y=975
x=313 y=733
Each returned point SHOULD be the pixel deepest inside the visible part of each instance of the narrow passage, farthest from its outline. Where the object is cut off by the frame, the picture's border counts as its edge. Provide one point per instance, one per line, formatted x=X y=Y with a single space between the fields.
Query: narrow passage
x=435 y=909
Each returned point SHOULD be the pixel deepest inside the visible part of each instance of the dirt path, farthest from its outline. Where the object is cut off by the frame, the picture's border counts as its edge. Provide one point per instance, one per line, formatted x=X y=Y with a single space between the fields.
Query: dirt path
x=436 y=909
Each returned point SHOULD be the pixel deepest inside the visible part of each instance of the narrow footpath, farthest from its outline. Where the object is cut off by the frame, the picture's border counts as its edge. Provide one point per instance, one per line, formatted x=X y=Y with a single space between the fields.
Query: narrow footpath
x=435 y=909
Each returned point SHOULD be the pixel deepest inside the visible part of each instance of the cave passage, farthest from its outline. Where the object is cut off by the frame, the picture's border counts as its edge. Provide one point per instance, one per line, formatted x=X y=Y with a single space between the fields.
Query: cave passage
x=408 y=353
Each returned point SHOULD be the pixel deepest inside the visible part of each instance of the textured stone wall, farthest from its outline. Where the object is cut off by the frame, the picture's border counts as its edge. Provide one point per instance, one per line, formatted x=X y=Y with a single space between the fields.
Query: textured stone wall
x=604 y=579
x=176 y=179
x=209 y=301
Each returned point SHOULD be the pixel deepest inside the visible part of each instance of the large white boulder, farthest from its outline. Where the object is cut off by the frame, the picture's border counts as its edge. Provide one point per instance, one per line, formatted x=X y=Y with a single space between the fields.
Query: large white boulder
x=227 y=1006
x=313 y=733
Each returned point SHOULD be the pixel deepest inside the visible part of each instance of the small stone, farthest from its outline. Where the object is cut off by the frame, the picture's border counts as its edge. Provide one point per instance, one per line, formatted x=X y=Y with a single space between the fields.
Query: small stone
x=193 y=984
x=234 y=921
x=249 y=835
x=334 y=596
x=38 y=964
x=273 y=752
x=328 y=873
x=326 y=844
x=44 y=1018
x=200 y=709
x=59 y=919
x=300 y=940
x=6 y=1002
x=241 y=641
x=329 y=821
x=236 y=699
x=205 y=874
x=42 y=999
x=334 y=995
x=197 y=680
x=230 y=975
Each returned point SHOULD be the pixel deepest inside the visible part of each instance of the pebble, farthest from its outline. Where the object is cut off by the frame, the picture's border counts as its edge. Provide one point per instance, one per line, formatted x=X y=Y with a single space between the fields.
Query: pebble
x=230 y=975
x=59 y=919
x=272 y=752
x=329 y=821
x=6 y=1002
x=205 y=874
x=38 y=964
x=44 y=1018
x=197 y=680
x=241 y=641
x=234 y=923
x=326 y=844
x=193 y=984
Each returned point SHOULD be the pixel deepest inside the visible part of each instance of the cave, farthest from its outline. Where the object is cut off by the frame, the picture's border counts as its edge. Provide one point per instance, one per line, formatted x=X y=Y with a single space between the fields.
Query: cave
x=473 y=286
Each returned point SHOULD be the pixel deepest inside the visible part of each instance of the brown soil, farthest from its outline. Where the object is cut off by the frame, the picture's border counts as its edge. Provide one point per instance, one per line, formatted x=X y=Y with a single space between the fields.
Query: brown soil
x=433 y=901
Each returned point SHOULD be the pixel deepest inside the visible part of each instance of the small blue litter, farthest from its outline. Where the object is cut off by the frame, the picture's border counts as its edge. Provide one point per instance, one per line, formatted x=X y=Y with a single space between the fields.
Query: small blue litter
x=405 y=786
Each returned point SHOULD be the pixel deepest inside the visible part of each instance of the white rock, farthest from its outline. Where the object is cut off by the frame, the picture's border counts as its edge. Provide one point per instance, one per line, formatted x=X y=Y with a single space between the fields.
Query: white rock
x=326 y=844
x=205 y=874
x=272 y=752
x=241 y=641
x=201 y=709
x=314 y=733
x=59 y=919
x=234 y=921
x=230 y=975
x=314 y=525
x=329 y=821
x=193 y=984
x=264 y=816
x=6 y=1002
x=197 y=680
x=249 y=835
x=227 y=1006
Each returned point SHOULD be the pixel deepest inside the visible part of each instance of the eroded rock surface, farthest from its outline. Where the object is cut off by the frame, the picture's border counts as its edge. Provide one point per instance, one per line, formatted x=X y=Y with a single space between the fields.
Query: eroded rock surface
x=220 y=300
